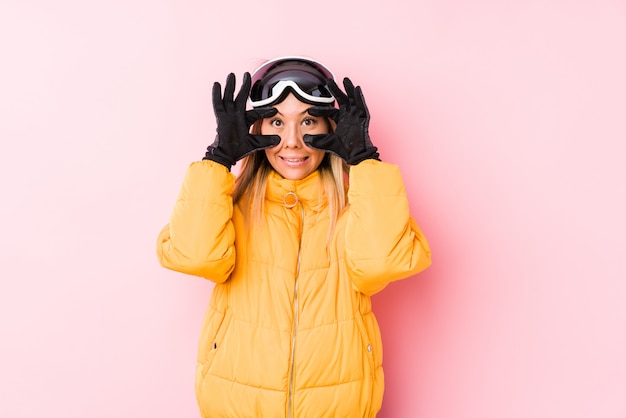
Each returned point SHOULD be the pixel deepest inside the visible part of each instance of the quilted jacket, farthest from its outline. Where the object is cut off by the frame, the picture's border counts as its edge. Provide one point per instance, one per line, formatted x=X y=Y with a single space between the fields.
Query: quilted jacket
x=289 y=330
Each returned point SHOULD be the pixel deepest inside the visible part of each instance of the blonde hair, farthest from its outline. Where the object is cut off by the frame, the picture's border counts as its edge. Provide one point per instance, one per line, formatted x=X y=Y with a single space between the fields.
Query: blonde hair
x=251 y=183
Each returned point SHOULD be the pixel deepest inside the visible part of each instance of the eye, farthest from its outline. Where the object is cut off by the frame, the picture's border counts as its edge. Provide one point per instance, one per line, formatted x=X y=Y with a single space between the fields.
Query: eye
x=309 y=122
x=276 y=123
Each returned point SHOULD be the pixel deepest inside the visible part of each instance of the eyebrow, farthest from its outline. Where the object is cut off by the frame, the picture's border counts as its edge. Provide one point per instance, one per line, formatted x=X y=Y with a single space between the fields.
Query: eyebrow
x=301 y=113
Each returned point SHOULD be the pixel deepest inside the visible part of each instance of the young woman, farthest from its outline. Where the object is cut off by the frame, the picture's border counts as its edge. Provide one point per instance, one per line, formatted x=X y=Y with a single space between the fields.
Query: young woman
x=296 y=244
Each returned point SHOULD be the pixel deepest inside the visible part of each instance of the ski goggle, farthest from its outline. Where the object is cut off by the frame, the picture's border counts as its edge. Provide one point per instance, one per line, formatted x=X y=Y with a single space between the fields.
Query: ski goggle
x=304 y=77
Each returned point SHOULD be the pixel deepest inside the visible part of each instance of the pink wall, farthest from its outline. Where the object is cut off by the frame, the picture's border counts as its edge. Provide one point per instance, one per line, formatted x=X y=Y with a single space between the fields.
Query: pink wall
x=507 y=119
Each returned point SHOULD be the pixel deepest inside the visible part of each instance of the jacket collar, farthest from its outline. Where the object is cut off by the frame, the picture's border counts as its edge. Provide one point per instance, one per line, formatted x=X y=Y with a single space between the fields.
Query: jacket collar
x=288 y=193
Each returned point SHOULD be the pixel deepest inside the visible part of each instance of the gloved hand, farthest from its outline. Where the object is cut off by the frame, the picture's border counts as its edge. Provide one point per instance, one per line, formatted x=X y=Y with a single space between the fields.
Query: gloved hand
x=351 y=140
x=233 y=140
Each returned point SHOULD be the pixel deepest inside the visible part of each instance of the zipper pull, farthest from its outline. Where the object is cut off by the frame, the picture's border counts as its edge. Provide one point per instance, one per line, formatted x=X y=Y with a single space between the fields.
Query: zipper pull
x=290 y=200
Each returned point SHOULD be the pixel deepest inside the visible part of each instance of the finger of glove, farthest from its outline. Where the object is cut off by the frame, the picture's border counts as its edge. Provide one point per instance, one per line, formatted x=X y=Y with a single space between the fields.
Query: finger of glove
x=324 y=111
x=259 y=113
x=327 y=142
x=348 y=87
x=359 y=100
x=218 y=105
x=229 y=91
x=259 y=142
x=339 y=95
x=244 y=91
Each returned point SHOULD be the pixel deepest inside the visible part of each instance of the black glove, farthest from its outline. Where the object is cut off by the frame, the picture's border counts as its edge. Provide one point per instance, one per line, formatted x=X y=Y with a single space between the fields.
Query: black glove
x=351 y=140
x=233 y=140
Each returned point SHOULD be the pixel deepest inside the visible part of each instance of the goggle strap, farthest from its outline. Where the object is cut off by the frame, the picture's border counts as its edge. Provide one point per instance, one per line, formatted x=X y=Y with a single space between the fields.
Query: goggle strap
x=280 y=87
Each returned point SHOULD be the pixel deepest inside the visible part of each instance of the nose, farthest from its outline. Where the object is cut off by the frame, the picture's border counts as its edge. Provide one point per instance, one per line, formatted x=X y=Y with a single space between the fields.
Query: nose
x=292 y=137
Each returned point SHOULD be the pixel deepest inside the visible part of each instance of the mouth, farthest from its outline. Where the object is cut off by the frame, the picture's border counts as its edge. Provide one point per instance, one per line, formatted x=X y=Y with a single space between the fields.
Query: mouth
x=294 y=162
x=291 y=160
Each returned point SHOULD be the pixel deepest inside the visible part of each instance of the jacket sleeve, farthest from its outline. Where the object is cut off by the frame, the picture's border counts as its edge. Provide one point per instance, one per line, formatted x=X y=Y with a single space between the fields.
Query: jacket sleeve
x=383 y=241
x=200 y=236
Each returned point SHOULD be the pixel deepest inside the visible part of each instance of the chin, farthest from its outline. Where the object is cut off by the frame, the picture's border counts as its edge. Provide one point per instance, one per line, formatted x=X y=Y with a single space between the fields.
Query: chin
x=294 y=175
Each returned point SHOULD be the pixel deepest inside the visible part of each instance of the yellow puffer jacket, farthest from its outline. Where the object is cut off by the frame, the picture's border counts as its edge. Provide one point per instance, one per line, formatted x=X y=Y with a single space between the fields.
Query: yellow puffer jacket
x=289 y=331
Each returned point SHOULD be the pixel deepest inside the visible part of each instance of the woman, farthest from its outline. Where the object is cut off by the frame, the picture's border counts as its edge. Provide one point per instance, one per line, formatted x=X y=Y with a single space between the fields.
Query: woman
x=312 y=227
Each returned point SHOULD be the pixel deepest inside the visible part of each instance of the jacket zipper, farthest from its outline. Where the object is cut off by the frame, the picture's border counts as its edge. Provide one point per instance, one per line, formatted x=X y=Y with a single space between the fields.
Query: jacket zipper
x=290 y=401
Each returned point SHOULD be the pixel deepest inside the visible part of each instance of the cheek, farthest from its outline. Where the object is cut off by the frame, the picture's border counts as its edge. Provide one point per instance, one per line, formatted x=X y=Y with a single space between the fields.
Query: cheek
x=318 y=156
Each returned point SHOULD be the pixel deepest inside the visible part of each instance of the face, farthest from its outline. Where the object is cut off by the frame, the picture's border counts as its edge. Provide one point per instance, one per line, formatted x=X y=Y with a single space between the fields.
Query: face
x=292 y=159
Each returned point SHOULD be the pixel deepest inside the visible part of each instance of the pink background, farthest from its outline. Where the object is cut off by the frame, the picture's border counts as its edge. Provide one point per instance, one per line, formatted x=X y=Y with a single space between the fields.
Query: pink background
x=508 y=120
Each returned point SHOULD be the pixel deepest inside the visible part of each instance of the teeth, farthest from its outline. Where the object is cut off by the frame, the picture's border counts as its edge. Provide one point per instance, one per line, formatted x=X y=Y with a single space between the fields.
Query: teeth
x=294 y=160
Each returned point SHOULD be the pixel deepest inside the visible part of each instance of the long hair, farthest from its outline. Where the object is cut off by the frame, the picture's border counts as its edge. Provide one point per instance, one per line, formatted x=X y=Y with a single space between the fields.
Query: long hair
x=251 y=183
